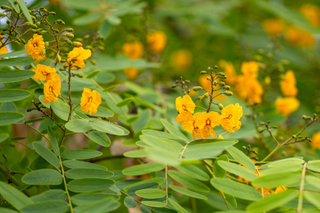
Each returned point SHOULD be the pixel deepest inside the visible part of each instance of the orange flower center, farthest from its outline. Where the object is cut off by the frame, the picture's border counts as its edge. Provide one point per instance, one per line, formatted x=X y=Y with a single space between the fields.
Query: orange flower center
x=90 y=99
x=35 y=44
x=184 y=107
x=50 y=89
x=208 y=122
x=229 y=117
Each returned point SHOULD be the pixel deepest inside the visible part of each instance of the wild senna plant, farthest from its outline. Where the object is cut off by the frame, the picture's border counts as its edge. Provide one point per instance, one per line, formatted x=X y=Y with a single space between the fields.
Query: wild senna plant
x=58 y=92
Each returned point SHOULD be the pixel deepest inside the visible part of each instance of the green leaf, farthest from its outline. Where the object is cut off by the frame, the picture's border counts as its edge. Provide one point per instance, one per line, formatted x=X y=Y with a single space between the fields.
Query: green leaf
x=61 y=109
x=238 y=170
x=25 y=12
x=13 y=196
x=283 y=163
x=9 y=76
x=52 y=194
x=193 y=171
x=105 y=28
x=19 y=61
x=202 y=149
x=272 y=201
x=110 y=88
x=124 y=102
x=314 y=165
x=92 y=74
x=143 y=169
x=14 y=53
x=7 y=118
x=56 y=206
x=132 y=191
x=312 y=197
x=15 y=6
x=139 y=153
x=236 y=189
x=217 y=170
x=151 y=193
x=164 y=210
x=79 y=125
x=314 y=181
x=241 y=158
x=99 y=138
x=8 y=107
x=46 y=154
x=114 y=20
x=3 y=137
x=280 y=179
x=107 y=127
x=74 y=164
x=80 y=154
x=157 y=180
x=188 y=181
x=281 y=169
x=88 y=198
x=130 y=203
x=153 y=203
x=43 y=177
x=187 y=192
x=87 y=173
x=53 y=141
x=102 y=112
x=103 y=205
x=144 y=209
x=5 y=210
x=8 y=95
x=87 y=19
x=177 y=206
x=173 y=130
x=90 y=184
x=163 y=135
x=144 y=118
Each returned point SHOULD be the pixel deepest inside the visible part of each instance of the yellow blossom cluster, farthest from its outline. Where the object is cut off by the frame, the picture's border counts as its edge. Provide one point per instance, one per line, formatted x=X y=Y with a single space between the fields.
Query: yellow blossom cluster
x=134 y=50
x=4 y=49
x=90 y=100
x=289 y=104
x=315 y=140
x=77 y=57
x=312 y=13
x=181 y=59
x=156 y=41
x=201 y=124
x=36 y=47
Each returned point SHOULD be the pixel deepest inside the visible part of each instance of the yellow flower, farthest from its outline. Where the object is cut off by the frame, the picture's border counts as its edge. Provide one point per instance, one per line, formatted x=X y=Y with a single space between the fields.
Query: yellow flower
x=273 y=27
x=315 y=140
x=181 y=59
x=185 y=104
x=90 y=101
x=249 y=89
x=230 y=116
x=133 y=50
x=250 y=69
x=280 y=189
x=80 y=54
x=299 y=37
x=4 y=49
x=287 y=105
x=35 y=46
x=288 y=85
x=312 y=13
x=42 y=72
x=52 y=88
x=192 y=126
x=131 y=73
x=265 y=191
x=208 y=121
x=156 y=41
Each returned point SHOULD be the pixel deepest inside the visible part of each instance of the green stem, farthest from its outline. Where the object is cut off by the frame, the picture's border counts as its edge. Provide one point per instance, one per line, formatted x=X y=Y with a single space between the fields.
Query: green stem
x=37 y=131
x=66 y=185
x=166 y=177
x=300 y=202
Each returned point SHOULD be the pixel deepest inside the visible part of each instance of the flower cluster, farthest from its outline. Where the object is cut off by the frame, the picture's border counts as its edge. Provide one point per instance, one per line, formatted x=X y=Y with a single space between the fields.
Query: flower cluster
x=90 y=100
x=134 y=50
x=289 y=104
x=201 y=124
x=77 y=56
x=312 y=13
x=36 y=47
x=181 y=59
x=156 y=41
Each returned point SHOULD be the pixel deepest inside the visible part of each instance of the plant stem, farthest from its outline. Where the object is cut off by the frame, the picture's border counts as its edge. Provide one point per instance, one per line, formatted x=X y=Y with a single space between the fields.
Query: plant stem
x=37 y=131
x=166 y=177
x=184 y=149
x=66 y=185
x=69 y=91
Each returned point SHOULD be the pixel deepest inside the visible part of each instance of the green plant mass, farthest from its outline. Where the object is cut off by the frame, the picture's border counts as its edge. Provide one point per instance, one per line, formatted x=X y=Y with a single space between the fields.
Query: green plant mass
x=159 y=106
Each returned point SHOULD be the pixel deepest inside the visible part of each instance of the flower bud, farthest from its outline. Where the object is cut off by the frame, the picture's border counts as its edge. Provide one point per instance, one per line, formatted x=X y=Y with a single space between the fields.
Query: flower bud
x=267 y=80
x=174 y=86
x=8 y=21
x=58 y=58
x=215 y=67
x=42 y=32
x=101 y=48
x=222 y=83
x=5 y=7
x=23 y=41
x=306 y=117
x=203 y=72
x=227 y=87
x=274 y=127
x=93 y=62
x=62 y=68
x=56 y=30
x=257 y=137
x=52 y=13
x=86 y=36
x=220 y=106
x=187 y=81
x=206 y=95
x=68 y=41
x=69 y=35
x=294 y=136
x=270 y=55
x=70 y=30
x=197 y=88
x=33 y=26
x=219 y=137
x=77 y=66
x=27 y=23
x=59 y=21
x=2 y=14
x=228 y=93
x=80 y=75
x=285 y=62
x=33 y=17
x=43 y=52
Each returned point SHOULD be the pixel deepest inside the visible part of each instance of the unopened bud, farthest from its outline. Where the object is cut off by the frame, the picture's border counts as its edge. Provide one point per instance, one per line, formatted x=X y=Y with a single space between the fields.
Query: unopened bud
x=206 y=95
x=52 y=13
x=42 y=32
x=274 y=127
x=77 y=66
x=77 y=44
x=215 y=67
x=59 y=21
x=69 y=35
x=62 y=68
x=227 y=87
x=261 y=51
x=257 y=137
x=33 y=17
x=267 y=80
x=93 y=62
x=58 y=58
x=80 y=75
x=56 y=30
x=101 y=48
x=43 y=52
x=203 y=72
x=197 y=88
x=220 y=106
x=294 y=136
x=285 y=62
x=68 y=41
x=2 y=14
x=187 y=81
x=23 y=41
x=228 y=93
x=86 y=37
x=8 y=21
x=70 y=30
x=222 y=83
x=174 y=86
x=33 y=26
x=5 y=7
